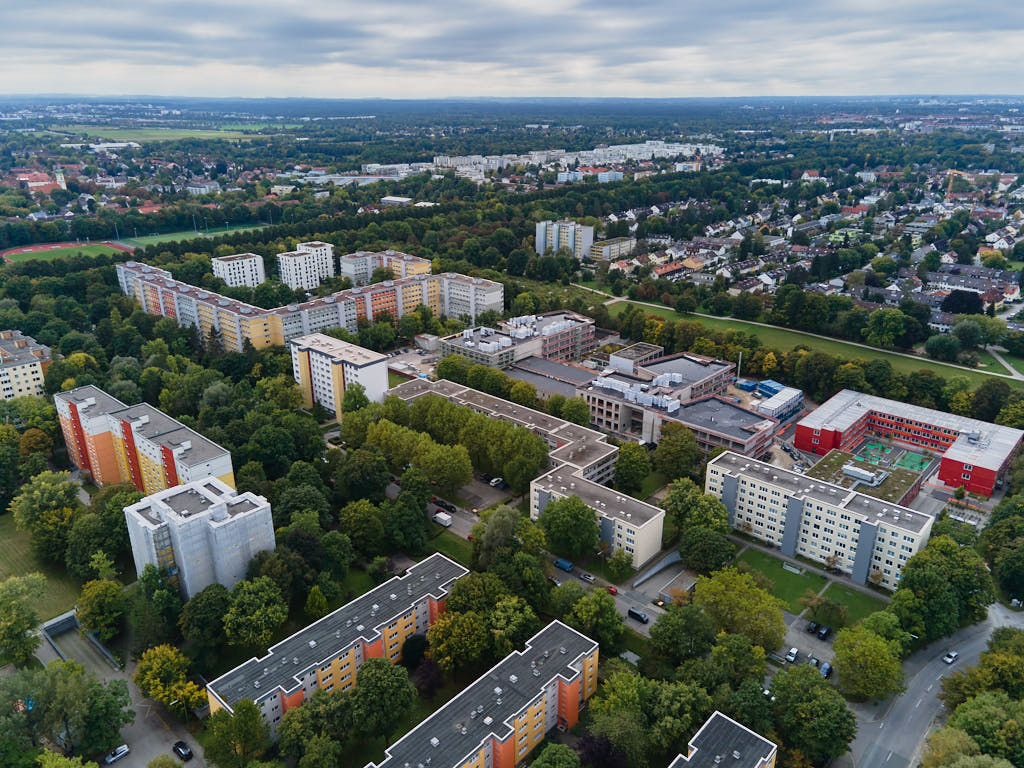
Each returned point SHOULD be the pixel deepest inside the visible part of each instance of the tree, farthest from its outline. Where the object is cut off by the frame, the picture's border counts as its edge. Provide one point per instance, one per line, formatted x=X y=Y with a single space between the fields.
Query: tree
x=943 y=346
x=45 y=509
x=316 y=604
x=164 y=761
x=677 y=454
x=989 y=399
x=355 y=398
x=257 y=609
x=382 y=698
x=991 y=720
x=887 y=625
x=824 y=610
x=202 y=619
x=19 y=596
x=556 y=756
x=458 y=640
x=688 y=507
x=162 y=675
x=34 y=441
x=570 y=526
x=49 y=759
x=77 y=711
x=967 y=332
x=705 y=550
x=576 y=410
x=810 y=714
x=362 y=521
x=101 y=607
x=632 y=466
x=960 y=302
x=749 y=706
x=447 y=465
x=477 y=592
x=867 y=664
x=736 y=605
x=945 y=746
x=234 y=740
x=884 y=327
x=512 y=623
x=321 y=752
x=154 y=610
x=564 y=598
x=300 y=498
x=619 y=565
x=682 y=632
x=738 y=658
x=596 y=616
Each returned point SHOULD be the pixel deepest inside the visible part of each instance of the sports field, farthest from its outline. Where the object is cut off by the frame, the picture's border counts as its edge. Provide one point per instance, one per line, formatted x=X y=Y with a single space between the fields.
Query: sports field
x=58 y=251
x=785 y=339
x=114 y=133
x=187 y=234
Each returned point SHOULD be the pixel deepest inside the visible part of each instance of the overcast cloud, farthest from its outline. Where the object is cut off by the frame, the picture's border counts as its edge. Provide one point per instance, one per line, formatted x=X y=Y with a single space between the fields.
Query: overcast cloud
x=418 y=49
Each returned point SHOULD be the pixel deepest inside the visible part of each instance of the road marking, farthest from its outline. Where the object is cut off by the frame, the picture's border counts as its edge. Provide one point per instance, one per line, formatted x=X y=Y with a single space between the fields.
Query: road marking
x=918 y=703
x=930 y=687
x=881 y=725
x=887 y=759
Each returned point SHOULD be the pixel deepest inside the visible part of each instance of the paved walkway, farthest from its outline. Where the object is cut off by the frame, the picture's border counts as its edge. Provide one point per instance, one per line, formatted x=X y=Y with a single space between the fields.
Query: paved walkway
x=1013 y=371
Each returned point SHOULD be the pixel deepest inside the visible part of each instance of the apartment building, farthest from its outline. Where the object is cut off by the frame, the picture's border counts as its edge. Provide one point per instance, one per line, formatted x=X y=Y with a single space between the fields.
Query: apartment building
x=723 y=741
x=612 y=250
x=307 y=265
x=324 y=367
x=864 y=537
x=552 y=236
x=201 y=533
x=500 y=718
x=237 y=322
x=975 y=454
x=23 y=364
x=240 y=269
x=552 y=335
x=359 y=266
x=327 y=654
x=136 y=444
x=582 y=460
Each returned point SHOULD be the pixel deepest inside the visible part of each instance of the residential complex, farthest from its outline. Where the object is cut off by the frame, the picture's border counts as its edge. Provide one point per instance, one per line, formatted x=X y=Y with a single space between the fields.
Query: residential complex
x=974 y=454
x=359 y=266
x=612 y=250
x=450 y=294
x=201 y=533
x=327 y=654
x=723 y=741
x=504 y=714
x=552 y=236
x=240 y=269
x=136 y=444
x=307 y=265
x=23 y=364
x=324 y=367
x=552 y=335
x=863 y=536
x=582 y=460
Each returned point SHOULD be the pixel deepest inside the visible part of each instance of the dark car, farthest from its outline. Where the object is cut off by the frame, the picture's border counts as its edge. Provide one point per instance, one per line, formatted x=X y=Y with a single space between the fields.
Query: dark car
x=182 y=750
x=812 y=661
x=640 y=616
x=813 y=627
x=826 y=670
x=485 y=477
x=824 y=632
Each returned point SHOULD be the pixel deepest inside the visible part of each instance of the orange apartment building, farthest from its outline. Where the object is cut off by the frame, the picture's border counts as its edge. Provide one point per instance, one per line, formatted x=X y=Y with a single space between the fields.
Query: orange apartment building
x=328 y=653
x=137 y=444
x=499 y=719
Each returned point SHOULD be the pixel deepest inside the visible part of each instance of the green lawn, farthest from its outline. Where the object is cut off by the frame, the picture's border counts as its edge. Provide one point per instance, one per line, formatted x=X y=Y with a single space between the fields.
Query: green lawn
x=455 y=547
x=599 y=567
x=785 y=339
x=187 y=234
x=789 y=587
x=986 y=362
x=857 y=604
x=635 y=642
x=655 y=481
x=1016 y=362
x=115 y=133
x=17 y=559
x=60 y=253
x=394 y=379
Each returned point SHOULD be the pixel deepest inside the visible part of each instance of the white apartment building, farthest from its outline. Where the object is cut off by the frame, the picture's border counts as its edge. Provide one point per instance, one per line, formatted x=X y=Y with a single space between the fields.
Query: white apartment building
x=463 y=296
x=307 y=265
x=202 y=533
x=23 y=364
x=863 y=536
x=324 y=367
x=553 y=235
x=240 y=269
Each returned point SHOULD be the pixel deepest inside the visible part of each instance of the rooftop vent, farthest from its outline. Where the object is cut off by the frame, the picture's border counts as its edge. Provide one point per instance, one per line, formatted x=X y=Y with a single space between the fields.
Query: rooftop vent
x=736 y=754
x=434 y=741
x=497 y=691
x=359 y=628
x=295 y=659
x=312 y=643
x=255 y=683
x=513 y=679
x=562 y=650
x=488 y=720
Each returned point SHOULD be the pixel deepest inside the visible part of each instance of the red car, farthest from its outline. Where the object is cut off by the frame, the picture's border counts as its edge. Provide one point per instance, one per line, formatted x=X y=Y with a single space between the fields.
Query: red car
x=613 y=590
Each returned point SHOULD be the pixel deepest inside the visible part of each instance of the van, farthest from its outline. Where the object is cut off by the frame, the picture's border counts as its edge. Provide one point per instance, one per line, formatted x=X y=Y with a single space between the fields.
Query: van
x=443 y=518
x=564 y=565
x=640 y=616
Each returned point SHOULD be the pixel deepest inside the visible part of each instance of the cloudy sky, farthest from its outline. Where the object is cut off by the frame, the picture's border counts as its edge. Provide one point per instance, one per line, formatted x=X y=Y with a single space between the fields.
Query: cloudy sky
x=415 y=48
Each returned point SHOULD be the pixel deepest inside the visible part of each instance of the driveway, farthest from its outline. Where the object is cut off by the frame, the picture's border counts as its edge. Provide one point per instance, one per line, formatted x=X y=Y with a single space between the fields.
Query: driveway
x=808 y=644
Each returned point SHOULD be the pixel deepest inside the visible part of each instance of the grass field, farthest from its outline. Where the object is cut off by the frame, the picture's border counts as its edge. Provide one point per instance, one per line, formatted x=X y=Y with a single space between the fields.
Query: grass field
x=789 y=587
x=187 y=234
x=114 y=133
x=786 y=339
x=857 y=604
x=17 y=559
x=655 y=481
x=986 y=362
x=62 y=253
x=455 y=547
x=394 y=379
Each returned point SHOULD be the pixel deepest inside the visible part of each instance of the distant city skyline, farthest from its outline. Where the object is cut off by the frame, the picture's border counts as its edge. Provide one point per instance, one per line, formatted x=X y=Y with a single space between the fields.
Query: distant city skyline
x=404 y=49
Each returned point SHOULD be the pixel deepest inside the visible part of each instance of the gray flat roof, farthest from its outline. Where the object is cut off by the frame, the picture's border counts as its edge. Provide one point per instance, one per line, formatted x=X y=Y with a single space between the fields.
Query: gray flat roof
x=572 y=374
x=325 y=639
x=16 y=349
x=496 y=698
x=641 y=350
x=719 y=415
x=564 y=481
x=692 y=368
x=719 y=741
x=875 y=510
x=104 y=403
x=544 y=384
x=165 y=431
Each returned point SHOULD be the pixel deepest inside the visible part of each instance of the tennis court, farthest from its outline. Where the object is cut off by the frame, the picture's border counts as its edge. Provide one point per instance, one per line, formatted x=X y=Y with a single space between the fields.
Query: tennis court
x=915 y=462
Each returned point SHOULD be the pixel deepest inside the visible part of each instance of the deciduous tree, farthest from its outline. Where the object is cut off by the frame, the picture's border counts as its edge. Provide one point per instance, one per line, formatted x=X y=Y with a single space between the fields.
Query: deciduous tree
x=257 y=609
x=101 y=608
x=235 y=740
x=570 y=526
x=19 y=596
x=383 y=696
x=736 y=605
x=867 y=664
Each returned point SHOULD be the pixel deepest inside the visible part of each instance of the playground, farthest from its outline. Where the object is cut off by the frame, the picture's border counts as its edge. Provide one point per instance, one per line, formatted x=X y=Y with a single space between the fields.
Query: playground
x=874 y=457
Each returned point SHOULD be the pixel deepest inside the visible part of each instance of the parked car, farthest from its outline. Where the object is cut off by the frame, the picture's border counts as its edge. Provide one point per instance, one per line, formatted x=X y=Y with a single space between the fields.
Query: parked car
x=793 y=655
x=496 y=482
x=812 y=661
x=116 y=754
x=826 y=670
x=824 y=632
x=564 y=565
x=554 y=582
x=587 y=576
x=950 y=657
x=486 y=477
x=182 y=750
x=640 y=616
x=613 y=590
x=813 y=627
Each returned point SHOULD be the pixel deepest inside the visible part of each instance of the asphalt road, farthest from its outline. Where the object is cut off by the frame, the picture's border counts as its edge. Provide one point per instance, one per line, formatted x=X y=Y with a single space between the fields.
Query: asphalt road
x=893 y=738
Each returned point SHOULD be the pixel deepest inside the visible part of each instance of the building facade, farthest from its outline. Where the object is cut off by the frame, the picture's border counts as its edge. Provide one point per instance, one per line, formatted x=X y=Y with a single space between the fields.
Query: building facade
x=612 y=250
x=359 y=266
x=552 y=236
x=240 y=269
x=498 y=720
x=862 y=536
x=975 y=454
x=555 y=335
x=23 y=364
x=136 y=444
x=327 y=654
x=201 y=533
x=307 y=265
x=324 y=367
x=237 y=322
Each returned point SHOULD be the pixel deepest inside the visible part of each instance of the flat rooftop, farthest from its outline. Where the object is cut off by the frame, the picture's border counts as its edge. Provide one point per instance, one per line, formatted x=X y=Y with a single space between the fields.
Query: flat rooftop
x=287 y=662
x=565 y=481
x=337 y=349
x=104 y=403
x=195 y=498
x=488 y=706
x=171 y=433
x=17 y=349
x=238 y=257
x=571 y=374
x=640 y=351
x=545 y=385
x=693 y=368
x=723 y=741
x=802 y=486
x=717 y=414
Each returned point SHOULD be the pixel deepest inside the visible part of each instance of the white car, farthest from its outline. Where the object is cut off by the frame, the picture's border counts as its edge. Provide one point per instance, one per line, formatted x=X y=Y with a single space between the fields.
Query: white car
x=950 y=657
x=116 y=754
x=496 y=481
x=792 y=655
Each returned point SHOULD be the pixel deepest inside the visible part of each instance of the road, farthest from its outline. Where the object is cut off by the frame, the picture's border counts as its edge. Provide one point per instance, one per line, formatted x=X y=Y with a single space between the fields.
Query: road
x=893 y=738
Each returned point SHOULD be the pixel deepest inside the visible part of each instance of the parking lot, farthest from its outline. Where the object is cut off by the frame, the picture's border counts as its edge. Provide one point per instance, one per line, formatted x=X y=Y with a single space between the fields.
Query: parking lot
x=808 y=644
